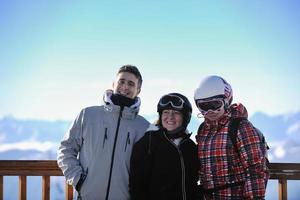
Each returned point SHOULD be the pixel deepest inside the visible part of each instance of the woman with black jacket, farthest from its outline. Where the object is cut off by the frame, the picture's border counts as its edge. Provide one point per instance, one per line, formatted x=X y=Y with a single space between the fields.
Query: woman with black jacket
x=164 y=162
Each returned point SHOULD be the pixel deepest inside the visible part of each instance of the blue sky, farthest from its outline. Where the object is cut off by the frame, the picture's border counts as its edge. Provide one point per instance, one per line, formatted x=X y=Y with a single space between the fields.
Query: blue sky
x=57 y=57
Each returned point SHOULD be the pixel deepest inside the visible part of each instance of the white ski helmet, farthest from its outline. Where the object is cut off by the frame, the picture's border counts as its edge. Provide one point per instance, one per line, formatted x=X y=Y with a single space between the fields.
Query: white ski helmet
x=214 y=87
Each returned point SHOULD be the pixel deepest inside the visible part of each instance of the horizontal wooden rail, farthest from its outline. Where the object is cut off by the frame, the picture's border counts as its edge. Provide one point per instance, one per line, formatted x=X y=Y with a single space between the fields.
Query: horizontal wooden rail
x=29 y=168
x=47 y=168
x=288 y=171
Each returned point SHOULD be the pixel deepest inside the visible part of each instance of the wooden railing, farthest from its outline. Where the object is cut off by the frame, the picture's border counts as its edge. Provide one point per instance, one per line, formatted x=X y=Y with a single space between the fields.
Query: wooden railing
x=24 y=168
x=47 y=168
x=284 y=172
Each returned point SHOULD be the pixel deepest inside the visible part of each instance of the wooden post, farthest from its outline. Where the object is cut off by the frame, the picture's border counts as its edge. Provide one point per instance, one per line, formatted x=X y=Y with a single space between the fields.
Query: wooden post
x=22 y=187
x=46 y=188
x=1 y=187
x=69 y=192
x=282 y=189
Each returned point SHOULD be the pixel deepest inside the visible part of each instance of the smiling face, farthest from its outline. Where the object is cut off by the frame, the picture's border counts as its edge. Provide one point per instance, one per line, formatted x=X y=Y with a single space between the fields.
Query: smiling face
x=127 y=85
x=171 y=119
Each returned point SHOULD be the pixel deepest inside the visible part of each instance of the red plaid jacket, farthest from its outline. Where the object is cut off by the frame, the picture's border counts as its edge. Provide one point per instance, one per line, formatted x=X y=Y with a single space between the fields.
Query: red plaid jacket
x=221 y=164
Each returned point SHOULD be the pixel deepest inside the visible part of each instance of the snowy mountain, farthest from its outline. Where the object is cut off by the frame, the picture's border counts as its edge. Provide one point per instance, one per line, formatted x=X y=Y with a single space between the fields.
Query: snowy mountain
x=16 y=130
x=282 y=133
x=38 y=139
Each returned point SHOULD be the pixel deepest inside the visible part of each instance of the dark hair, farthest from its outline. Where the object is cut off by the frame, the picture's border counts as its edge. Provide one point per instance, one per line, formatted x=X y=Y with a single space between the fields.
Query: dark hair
x=133 y=70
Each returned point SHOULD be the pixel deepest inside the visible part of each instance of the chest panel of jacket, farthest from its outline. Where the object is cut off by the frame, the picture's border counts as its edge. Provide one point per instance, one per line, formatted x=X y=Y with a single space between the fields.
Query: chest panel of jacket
x=214 y=162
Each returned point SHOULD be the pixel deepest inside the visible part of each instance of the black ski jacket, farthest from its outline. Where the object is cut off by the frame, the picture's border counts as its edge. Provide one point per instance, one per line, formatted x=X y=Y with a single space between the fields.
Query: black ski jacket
x=161 y=170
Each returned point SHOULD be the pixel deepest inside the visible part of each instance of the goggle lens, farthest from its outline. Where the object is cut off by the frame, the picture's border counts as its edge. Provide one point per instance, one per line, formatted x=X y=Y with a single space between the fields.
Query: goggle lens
x=210 y=105
x=175 y=101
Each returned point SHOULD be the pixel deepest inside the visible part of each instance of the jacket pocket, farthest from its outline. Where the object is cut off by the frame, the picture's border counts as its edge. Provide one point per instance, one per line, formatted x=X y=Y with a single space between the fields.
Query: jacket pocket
x=127 y=141
x=104 y=138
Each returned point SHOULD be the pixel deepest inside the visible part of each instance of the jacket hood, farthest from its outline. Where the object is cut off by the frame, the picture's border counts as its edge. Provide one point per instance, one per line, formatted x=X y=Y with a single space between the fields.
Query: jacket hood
x=128 y=112
x=238 y=110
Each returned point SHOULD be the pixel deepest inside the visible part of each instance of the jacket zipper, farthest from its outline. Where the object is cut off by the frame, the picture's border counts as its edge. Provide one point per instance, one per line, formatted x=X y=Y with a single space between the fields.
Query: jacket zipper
x=182 y=166
x=105 y=137
x=127 y=141
x=113 y=154
x=183 y=174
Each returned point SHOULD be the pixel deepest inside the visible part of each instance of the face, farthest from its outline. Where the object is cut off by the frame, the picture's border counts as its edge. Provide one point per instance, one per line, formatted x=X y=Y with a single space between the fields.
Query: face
x=126 y=84
x=171 y=119
x=215 y=115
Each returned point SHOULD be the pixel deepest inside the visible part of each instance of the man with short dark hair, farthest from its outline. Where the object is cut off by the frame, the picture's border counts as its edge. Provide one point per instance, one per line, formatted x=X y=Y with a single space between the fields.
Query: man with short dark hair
x=95 y=153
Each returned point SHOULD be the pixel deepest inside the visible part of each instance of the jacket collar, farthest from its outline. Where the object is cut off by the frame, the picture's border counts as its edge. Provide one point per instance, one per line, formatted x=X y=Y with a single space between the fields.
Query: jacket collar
x=155 y=127
x=128 y=112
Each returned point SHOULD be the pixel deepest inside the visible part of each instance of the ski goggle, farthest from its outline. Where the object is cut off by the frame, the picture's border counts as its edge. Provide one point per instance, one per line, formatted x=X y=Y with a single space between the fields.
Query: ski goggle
x=213 y=104
x=174 y=100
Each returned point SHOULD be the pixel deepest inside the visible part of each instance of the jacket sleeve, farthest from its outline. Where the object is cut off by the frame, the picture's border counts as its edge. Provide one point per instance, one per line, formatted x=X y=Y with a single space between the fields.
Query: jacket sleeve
x=252 y=158
x=67 y=154
x=139 y=177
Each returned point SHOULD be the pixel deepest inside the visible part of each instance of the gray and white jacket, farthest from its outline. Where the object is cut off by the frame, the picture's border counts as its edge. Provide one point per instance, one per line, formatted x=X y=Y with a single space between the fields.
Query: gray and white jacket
x=99 y=144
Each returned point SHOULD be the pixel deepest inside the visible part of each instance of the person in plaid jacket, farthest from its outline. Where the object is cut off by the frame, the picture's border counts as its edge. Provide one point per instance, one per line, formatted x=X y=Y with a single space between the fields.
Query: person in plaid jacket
x=228 y=171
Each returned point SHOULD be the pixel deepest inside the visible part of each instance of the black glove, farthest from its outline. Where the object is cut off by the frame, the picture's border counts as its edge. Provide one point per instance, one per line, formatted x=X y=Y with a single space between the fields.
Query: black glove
x=80 y=182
